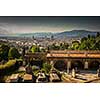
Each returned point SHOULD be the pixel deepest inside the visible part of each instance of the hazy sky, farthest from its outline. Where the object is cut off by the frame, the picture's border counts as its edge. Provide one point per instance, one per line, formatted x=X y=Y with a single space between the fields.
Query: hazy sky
x=48 y=24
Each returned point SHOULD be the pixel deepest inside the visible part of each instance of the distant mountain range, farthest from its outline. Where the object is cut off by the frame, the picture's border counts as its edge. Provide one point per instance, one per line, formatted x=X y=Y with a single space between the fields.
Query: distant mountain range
x=74 y=34
x=65 y=34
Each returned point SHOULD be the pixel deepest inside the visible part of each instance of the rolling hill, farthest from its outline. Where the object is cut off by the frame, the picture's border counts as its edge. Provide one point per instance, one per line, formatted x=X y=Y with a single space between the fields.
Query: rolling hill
x=65 y=34
x=74 y=34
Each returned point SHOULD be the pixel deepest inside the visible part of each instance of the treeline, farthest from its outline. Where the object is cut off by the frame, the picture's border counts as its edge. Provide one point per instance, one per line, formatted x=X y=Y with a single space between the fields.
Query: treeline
x=7 y=52
x=87 y=43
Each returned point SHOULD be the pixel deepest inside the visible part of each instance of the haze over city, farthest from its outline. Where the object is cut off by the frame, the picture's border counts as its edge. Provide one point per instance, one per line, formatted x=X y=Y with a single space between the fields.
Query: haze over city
x=48 y=24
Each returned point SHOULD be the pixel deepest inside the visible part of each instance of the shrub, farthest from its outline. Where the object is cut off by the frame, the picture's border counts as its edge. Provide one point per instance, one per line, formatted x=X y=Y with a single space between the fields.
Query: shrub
x=46 y=67
x=36 y=72
x=13 y=53
x=34 y=68
x=34 y=49
x=10 y=66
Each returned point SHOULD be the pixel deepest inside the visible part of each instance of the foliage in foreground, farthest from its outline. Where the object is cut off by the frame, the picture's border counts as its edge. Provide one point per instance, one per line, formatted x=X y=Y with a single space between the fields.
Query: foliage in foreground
x=8 y=67
x=13 y=53
x=46 y=67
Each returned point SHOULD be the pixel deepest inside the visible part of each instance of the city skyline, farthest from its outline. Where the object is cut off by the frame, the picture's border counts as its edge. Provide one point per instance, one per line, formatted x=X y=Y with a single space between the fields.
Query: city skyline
x=31 y=24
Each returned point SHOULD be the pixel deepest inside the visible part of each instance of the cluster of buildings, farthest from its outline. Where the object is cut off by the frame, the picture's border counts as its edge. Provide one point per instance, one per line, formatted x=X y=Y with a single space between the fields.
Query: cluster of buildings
x=27 y=42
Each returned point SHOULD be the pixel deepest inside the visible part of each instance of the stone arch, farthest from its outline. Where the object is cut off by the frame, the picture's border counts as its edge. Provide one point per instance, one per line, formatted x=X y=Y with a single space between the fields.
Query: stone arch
x=61 y=65
x=78 y=64
x=94 y=65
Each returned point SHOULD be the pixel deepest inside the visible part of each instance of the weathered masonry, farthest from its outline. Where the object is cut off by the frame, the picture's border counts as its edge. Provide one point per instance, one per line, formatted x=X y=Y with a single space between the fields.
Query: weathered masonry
x=87 y=59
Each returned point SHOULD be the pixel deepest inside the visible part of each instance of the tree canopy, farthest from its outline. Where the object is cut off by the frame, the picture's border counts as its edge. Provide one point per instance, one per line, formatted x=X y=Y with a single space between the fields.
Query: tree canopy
x=91 y=42
x=4 y=49
x=13 y=53
x=35 y=48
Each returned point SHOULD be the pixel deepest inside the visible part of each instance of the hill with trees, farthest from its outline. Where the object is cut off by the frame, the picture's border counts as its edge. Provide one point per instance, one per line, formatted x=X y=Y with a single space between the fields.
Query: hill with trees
x=90 y=42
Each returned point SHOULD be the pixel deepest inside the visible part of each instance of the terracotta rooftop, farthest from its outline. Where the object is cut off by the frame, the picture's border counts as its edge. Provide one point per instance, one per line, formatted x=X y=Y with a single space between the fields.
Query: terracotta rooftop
x=67 y=53
x=14 y=76
x=27 y=77
x=72 y=55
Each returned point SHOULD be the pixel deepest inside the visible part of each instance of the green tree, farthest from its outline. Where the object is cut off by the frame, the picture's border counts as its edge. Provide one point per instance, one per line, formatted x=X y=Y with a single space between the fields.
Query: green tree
x=83 y=46
x=97 y=43
x=63 y=46
x=90 y=43
x=13 y=53
x=98 y=34
x=35 y=48
x=46 y=67
x=33 y=37
x=54 y=46
x=75 y=45
x=83 y=39
x=4 y=49
x=52 y=37
x=23 y=51
x=66 y=45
